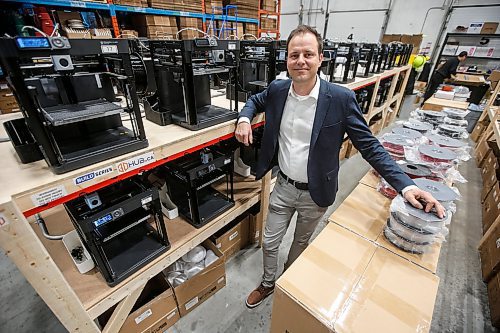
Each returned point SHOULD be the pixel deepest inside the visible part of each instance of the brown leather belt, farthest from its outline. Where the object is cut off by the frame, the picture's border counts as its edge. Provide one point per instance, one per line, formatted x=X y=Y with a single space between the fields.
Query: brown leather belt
x=298 y=185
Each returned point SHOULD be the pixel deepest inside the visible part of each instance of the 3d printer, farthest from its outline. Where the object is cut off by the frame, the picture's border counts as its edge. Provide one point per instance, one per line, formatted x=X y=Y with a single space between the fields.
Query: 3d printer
x=367 y=55
x=66 y=91
x=257 y=67
x=183 y=70
x=190 y=181
x=343 y=64
x=122 y=227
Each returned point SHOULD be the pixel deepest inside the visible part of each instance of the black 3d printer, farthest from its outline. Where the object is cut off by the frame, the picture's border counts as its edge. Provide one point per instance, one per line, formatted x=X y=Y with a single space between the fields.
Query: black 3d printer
x=183 y=70
x=190 y=179
x=122 y=227
x=343 y=64
x=65 y=89
x=257 y=67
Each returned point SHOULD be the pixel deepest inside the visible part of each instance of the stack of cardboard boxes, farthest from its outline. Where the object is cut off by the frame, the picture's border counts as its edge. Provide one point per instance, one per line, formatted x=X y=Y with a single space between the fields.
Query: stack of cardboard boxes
x=268 y=5
x=247 y=8
x=156 y=26
x=251 y=29
x=8 y=103
x=190 y=22
x=133 y=3
x=415 y=40
x=268 y=22
x=213 y=6
x=193 y=6
x=162 y=4
x=487 y=158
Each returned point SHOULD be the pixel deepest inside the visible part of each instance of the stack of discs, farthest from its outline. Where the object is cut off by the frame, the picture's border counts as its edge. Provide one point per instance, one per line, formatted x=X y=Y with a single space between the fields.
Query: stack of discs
x=451 y=131
x=386 y=190
x=409 y=133
x=436 y=154
x=394 y=144
x=432 y=117
x=412 y=229
x=442 y=192
x=418 y=126
x=444 y=141
x=414 y=170
x=189 y=265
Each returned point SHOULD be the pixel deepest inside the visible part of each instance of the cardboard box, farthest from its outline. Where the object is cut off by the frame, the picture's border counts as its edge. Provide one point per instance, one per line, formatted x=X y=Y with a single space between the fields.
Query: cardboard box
x=494 y=298
x=482 y=149
x=154 y=310
x=489 y=28
x=200 y=287
x=437 y=104
x=344 y=283
x=474 y=80
x=491 y=207
x=351 y=150
x=232 y=238
x=386 y=39
x=163 y=4
x=481 y=126
x=490 y=252
x=490 y=170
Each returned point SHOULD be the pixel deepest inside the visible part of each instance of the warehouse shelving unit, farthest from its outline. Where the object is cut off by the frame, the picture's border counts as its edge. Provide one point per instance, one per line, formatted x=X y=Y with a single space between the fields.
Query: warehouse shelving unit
x=277 y=14
x=113 y=9
x=76 y=299
x=472 y=40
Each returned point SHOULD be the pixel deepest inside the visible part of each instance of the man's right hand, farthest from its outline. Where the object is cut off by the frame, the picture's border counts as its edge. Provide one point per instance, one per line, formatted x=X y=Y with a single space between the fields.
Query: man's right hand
x=243 y=133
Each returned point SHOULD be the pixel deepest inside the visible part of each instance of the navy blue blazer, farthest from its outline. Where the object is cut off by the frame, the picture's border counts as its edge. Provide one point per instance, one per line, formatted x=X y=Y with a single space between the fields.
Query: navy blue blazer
x=337 y=112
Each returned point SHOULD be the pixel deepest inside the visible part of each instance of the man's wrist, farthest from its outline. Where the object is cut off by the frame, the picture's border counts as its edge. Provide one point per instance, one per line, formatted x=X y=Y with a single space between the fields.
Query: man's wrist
x=243 y=120
x=408 y=188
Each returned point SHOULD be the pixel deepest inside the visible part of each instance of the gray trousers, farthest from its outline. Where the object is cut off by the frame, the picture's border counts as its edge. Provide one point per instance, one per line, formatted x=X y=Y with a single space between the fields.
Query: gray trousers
x=284 y=202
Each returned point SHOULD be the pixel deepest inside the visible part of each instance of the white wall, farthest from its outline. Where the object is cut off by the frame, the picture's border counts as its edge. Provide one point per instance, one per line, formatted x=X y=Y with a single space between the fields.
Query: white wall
x=407 y=17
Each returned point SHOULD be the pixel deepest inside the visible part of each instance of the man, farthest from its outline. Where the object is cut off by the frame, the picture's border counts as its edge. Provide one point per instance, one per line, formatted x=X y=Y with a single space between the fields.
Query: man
x=447 y=70
x=306 y=119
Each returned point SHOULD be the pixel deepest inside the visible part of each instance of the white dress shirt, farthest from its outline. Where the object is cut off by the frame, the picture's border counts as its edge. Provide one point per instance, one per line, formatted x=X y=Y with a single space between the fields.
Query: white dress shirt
x=295 y=133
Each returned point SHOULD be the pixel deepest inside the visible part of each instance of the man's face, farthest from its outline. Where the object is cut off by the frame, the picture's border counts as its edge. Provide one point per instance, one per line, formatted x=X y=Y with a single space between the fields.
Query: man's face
x=303 y=59
x=462 y=59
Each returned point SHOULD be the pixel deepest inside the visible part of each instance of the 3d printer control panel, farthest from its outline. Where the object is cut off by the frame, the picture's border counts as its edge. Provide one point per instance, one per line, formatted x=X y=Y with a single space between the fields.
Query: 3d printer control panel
x=48 y=43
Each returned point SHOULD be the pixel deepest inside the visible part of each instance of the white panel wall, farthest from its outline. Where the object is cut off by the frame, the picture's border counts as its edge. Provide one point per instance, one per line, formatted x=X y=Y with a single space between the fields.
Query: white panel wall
x=407 y=17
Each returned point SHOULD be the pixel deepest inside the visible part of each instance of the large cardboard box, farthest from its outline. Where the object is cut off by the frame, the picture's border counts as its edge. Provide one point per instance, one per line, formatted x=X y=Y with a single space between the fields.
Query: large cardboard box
x=490 y=252
x=494 y=298
x=437 y=104
x=344 y=283
x=490 y=172
x=472 y=80
x=203 y=285
x=491 y=207
x=481 y=126
x=482 y=149
x=387 y=38
x=154 y=311
x=489 y=28
x=233 y=238
x=494 y=78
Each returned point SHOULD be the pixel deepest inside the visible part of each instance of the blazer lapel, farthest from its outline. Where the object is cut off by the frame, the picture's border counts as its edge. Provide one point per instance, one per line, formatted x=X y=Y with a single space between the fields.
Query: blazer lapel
x=322 y=107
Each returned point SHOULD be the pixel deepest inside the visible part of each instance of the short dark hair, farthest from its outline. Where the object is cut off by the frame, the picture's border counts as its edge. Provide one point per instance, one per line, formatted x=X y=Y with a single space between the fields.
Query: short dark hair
x=302 y=29
x=463 y=54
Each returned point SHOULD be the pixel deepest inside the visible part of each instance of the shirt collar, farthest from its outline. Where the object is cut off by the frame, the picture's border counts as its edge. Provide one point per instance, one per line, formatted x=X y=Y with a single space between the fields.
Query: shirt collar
x=314 y=92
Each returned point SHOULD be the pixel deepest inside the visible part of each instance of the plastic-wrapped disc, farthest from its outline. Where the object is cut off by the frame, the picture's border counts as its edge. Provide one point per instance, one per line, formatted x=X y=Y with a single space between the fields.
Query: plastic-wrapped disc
x=404 y=244
x=445 y=141
x=451 y=130
x=455 y=113
x=197 y=254
x=409 y=133
x=416 y=170
x=418 y=126
x=421 y=215
x=438 y=190
x=433 y=153
x=409 y=233
x=396 y=139
x=435 y=115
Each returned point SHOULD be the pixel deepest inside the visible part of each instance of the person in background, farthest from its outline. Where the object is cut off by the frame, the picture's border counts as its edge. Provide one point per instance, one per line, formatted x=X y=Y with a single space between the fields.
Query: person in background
x=446 y=70
x=306 y=119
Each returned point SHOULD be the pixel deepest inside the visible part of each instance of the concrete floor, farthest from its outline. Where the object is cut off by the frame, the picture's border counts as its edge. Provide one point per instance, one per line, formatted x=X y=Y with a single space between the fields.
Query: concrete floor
x=461 y=305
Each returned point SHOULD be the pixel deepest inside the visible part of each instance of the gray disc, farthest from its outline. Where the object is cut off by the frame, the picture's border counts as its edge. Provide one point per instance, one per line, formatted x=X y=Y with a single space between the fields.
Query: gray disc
x=437 y=152
x=432 y=114
x=420 y=127
x=397 y=139
x=421 y=214
x=445 y=141
x=438 y=190
x=416 y=170
x=412 y=134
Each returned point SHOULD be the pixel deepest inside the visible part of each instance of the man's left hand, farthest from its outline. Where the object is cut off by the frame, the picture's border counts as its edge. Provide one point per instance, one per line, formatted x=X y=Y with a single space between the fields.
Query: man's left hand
x=416 y=197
